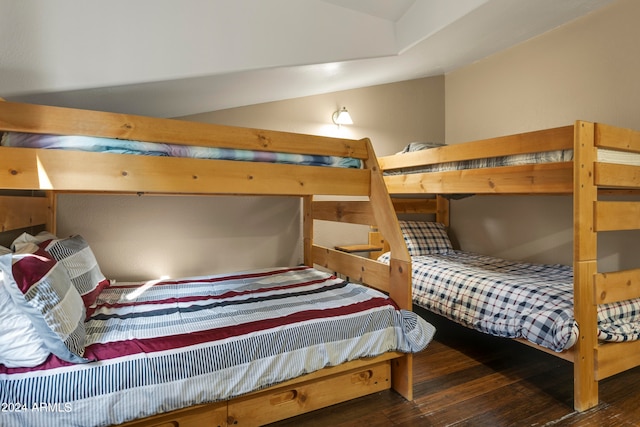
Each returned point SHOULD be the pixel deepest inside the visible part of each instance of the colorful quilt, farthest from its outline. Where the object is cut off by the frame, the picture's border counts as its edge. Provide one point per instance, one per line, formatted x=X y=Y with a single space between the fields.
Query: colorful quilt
x=513 y=299
x=123 y=146
x=164 y=345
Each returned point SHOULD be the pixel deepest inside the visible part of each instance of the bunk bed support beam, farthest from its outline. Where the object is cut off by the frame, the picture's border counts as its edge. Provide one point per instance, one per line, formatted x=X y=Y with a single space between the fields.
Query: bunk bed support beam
x=585 y=195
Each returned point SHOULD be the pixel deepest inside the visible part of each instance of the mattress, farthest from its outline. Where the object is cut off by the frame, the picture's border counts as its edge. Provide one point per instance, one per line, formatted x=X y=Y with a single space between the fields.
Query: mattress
x=163 y=345
x=120 y=146
x=604 y=155
x=513 y=299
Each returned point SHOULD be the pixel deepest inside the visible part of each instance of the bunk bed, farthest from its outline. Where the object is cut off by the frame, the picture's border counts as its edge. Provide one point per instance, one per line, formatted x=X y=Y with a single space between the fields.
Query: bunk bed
x=595 y=163
x=103 y=340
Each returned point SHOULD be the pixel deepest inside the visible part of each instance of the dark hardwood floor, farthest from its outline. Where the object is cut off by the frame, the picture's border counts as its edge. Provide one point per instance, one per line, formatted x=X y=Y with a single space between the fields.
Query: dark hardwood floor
x=465 y=378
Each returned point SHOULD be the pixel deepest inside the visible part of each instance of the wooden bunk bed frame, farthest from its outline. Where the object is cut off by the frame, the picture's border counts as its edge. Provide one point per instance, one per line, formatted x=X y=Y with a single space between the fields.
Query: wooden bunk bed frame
x=52 y=172
x=585 y=178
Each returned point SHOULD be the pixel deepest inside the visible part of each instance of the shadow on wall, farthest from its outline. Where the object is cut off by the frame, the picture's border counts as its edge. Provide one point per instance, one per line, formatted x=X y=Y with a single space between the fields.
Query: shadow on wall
x=145 y=237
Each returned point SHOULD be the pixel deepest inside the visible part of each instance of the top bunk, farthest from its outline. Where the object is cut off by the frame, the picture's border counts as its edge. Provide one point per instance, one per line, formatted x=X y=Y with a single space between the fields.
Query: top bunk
x=345 y=170
x=538 y=162
x=330 y=166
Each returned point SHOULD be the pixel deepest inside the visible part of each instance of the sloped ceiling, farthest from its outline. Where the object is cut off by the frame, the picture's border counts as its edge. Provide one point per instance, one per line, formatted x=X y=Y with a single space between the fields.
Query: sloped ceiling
x=170 y=58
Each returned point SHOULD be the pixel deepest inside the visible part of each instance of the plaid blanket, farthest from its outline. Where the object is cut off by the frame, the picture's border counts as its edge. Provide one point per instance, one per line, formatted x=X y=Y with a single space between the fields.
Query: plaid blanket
x=513 y=299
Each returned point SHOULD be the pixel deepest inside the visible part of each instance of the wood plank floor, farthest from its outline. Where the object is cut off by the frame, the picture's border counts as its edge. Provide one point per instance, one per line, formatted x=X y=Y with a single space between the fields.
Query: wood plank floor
x=469 y=379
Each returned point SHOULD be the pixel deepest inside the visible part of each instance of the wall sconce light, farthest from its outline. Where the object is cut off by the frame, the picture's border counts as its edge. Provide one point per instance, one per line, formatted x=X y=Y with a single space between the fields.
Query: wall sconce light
x=342 y=117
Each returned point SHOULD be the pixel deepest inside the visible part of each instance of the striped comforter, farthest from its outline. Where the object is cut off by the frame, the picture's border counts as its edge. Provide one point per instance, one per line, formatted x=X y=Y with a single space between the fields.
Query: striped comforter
x=123 y=146
x=513 y=299
x=164 y=345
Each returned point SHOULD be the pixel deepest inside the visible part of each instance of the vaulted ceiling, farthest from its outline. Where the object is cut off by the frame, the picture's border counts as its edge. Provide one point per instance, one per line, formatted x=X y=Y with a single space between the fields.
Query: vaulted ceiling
x=170 y=58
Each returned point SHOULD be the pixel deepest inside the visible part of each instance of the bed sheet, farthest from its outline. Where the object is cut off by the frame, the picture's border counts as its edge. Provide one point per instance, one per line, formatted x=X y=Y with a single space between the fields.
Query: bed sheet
x=121 y=146
x=604 y=155
x=163 y=345
x=513 y=299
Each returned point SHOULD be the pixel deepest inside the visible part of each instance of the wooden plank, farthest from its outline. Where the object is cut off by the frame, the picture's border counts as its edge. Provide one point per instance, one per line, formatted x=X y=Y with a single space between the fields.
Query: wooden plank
x=365 y=247
x=529 y=142
x=353 y=212
x=375 y=238
x=357 y=268
x=614 y=358
x=414 y=206
x=270 y=406
x=546 y=178
x=385 y=218
x=567 y=355
x=24 y=168
x=584 y=268
x=617 y=176
x=66 y=121
x=617 y=286
x=52 y=219
x=617 y=138
x=612 y=216
x=307 y=230
x=214 y=414
x=20 y=212
x=442 y=213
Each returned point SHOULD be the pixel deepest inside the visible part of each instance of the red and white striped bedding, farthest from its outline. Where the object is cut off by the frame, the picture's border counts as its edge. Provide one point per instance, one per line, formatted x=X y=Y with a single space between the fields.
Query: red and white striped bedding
x=164 y=345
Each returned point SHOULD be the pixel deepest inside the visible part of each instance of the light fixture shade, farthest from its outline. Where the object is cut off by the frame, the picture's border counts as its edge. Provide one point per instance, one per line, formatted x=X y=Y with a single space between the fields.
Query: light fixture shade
x=342 y=117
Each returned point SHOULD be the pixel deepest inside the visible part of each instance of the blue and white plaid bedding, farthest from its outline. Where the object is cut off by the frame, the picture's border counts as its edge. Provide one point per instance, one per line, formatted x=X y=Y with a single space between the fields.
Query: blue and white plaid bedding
x=491 y=162
x=123 y=146
x=164 y=345
x=513 y=299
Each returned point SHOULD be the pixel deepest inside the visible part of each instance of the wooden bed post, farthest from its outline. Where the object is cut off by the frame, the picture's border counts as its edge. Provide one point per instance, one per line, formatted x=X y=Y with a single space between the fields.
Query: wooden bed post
x=584 y=266
x=51 y=223
x=442 y=210
x=307 y=230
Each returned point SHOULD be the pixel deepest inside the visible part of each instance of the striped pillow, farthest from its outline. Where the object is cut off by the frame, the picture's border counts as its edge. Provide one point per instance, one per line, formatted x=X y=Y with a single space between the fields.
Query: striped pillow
x=78 y=258
x=76 y=255
x=425 y=238
x=20 y=344
x=41 y=287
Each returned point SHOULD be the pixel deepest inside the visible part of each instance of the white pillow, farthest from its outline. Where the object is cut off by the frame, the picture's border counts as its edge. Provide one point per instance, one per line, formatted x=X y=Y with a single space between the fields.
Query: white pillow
x=20 y=344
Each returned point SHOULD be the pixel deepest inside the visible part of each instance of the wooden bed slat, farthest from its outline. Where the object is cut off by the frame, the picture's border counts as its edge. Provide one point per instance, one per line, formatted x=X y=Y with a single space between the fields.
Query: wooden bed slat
x=544 y=140
x=415 y=206
x=617 y=286
x=353 y=212
x=617 y=138
x=617 y=176
x=611 y=216
x=549 y=178
x=65 y=121
x=357 y=268
x=25 y=168
x=21 y=212
x=616 y=357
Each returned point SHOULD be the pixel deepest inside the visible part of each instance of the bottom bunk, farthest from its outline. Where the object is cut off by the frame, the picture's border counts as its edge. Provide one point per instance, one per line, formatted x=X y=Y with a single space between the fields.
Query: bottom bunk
x=505 y=298
x=243 y=349
x=532 y=303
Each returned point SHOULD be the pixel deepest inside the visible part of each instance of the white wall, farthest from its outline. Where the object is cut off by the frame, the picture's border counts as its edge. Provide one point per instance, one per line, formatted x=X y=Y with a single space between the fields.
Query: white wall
x=137 y=238
x=586 y=70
